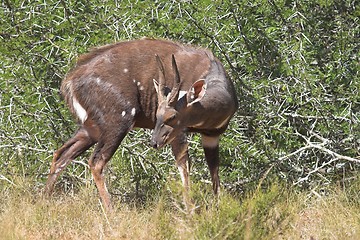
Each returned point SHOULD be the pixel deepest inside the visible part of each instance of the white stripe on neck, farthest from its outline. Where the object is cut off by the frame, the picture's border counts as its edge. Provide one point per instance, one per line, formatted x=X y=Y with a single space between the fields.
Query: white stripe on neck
x=182 y=94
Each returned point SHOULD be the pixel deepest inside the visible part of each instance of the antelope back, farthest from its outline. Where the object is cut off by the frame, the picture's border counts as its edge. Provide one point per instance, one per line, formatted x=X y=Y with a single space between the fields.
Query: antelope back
x=119 y=78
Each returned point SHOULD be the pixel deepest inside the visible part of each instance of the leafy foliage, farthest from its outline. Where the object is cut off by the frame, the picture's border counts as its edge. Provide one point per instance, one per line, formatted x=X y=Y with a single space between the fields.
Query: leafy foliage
x=295 y=65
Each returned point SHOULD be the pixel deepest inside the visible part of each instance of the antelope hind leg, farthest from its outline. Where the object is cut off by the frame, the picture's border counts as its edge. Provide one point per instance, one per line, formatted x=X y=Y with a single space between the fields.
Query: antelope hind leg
x=64 y=155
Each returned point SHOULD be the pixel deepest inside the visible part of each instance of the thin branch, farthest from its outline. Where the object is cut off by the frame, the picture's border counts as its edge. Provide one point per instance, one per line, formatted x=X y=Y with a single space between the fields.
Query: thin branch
x=159 y=175
x=12 y=146
x=334 y=154
x=293 y=153
x=315 y=170
x=321 y=145
x=219 y=46
x=2 y=177
x=67 y=11
x=296 y=115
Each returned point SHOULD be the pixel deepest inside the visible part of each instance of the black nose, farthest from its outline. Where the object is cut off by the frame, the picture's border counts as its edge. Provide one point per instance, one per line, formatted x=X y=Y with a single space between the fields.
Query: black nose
x=154 y=144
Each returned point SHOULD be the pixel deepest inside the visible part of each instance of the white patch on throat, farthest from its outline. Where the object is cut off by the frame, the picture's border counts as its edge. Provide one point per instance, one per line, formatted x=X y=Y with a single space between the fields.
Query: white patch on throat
x=182 y=94
x=133 y=111
x=210 y=142
x=79 y=110
x=197 y=125
x=223 y=122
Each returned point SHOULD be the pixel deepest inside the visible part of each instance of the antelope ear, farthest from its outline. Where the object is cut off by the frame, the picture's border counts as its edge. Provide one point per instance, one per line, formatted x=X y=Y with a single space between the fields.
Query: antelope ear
x=196 y=92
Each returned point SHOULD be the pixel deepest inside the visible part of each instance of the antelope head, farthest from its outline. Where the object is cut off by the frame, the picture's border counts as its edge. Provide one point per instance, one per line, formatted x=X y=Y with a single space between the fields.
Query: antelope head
x=173 y=113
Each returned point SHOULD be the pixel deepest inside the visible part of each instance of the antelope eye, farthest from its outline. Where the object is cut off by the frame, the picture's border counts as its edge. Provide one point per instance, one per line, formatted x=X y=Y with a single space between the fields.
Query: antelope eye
x=170 y=119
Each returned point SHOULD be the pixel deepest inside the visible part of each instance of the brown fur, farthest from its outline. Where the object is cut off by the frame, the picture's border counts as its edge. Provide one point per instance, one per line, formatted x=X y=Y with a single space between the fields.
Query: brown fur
x=112 y=88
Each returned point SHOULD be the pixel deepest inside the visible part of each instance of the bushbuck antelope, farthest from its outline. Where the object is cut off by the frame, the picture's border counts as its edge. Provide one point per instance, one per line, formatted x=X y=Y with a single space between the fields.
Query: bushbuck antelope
x=147 y=84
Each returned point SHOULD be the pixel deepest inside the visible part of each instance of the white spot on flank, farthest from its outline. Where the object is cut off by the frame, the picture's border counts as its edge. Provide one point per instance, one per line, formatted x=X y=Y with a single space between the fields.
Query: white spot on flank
x=79 y=110
x=138 y=83
x=107 y=58
x=133 y=111
x=125 y=70
x=141 y=88
x=102 y=82
x=134 y=81
x=123 y=113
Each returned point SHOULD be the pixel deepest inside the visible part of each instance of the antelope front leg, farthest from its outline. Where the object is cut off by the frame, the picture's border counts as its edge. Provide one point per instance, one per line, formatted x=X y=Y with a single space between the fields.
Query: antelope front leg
x=211 y=149
x=180 y=150
x=104 y=150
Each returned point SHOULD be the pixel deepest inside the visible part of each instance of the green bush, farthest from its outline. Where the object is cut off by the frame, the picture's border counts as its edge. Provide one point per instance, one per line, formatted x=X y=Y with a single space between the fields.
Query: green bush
x=295 y=65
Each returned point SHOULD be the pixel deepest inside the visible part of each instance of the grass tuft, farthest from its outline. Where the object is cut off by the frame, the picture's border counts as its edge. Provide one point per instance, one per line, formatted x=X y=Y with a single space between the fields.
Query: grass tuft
x=272 y=213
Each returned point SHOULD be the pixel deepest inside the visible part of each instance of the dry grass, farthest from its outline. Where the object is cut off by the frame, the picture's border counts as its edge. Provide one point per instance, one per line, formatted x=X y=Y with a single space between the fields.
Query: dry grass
x=272 y=214
x=72 y=217
x=334 y=216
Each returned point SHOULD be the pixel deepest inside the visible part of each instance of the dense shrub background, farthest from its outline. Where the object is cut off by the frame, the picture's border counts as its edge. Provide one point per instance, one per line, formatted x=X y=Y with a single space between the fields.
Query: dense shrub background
x=295 y=65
